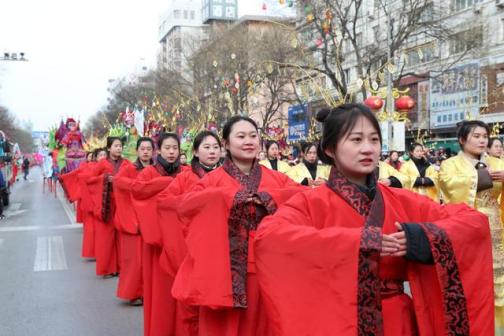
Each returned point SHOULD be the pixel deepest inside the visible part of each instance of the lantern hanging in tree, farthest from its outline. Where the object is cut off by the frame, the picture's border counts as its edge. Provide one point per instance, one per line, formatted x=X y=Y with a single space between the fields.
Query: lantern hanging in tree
x=374 y=103
x=404 y=104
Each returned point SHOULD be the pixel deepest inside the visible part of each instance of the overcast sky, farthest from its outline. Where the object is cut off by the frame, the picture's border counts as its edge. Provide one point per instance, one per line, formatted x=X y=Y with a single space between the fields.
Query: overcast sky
x=74 y=48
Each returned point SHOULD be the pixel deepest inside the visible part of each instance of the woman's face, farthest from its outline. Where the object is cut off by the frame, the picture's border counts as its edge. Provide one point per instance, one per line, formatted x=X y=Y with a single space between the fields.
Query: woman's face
x=183 y=159
x=311 y=154
x=101 y=155
x=273 y=152
x=169 y=150
x=116 y=149
x=496 y=149
x=477 y=142
x=394 y=156
x=358 y=151
x=208 y=151
x=418 y=152
x=89 y=157
x=145 y=151
x=243 y=142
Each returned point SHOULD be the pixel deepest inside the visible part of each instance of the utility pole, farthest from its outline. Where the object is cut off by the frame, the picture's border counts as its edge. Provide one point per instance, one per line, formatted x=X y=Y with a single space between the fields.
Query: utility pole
x=390 y=98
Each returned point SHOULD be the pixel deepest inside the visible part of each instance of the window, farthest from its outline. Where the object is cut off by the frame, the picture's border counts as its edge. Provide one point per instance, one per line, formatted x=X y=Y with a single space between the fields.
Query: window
x=230 y=12
x=176 y=14
x=463 y=4
x=421 y=54
x=186 y=14
x=466 y=40
x=376 y=7
x=217 y=11
x=192 y=15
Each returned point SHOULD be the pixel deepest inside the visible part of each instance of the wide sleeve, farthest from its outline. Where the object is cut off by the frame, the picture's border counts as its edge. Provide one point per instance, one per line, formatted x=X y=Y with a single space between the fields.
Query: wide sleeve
x=70 y=185
x=145 y=190
x=457 y=185
x=204 y=277
x=295 y=173
x=172 y=233
x=125 y=216
x=298 y=264
x=457 y=292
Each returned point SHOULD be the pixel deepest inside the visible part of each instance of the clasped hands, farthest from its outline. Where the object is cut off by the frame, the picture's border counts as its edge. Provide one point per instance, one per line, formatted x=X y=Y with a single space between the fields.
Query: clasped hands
x=394 y=244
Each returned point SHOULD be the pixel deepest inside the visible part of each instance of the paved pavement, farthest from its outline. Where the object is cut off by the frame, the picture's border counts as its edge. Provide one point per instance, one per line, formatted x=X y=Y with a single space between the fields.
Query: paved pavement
x=46 y=288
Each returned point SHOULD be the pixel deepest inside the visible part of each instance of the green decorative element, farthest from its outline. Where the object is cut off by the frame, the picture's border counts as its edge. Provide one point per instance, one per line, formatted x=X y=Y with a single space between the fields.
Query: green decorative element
x=118 y=130
x=61 y=157
x=52 y=140
x=129 y=149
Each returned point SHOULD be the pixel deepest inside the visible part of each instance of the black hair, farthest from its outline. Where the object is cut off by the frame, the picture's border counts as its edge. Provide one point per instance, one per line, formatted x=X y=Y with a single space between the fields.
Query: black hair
x=467 y=126
x=414 y=145
x=338 y=122
x=165 y=136
x=111 y=139
x=492 y=140
x=270 y=143
x=144 y=139
x=201 y=136
x=97 y=151
x=306 y=146
x=226 y=131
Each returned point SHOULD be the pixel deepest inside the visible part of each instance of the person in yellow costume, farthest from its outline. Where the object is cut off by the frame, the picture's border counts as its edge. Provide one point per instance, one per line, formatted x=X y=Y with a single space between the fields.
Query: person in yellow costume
x=475 y=178
x=272 y=161
x=423 y=175
x=391 y=177
x=494 y=148
x=308 y=172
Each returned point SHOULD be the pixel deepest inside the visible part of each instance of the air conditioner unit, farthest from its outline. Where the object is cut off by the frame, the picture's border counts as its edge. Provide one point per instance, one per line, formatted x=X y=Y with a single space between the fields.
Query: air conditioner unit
x=499 y=3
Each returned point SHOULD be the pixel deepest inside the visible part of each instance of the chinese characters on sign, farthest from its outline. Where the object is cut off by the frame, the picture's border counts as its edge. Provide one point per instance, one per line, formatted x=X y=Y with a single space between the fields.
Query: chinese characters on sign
x=454 y=95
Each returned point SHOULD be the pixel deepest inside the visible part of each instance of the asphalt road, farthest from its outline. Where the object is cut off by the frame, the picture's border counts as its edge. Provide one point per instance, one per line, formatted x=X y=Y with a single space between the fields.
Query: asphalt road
x=46 y=288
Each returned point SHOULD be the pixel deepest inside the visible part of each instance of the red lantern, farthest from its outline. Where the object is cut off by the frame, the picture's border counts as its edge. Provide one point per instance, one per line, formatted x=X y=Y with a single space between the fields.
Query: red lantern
x=374 y=102
x=404 y=104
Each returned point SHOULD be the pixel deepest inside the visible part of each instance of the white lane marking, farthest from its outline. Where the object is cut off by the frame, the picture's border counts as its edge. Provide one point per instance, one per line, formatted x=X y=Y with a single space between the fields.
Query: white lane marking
x=70 y=214
x=50 y=254
x=14 y=207
x=14 y=210
x=39 y=228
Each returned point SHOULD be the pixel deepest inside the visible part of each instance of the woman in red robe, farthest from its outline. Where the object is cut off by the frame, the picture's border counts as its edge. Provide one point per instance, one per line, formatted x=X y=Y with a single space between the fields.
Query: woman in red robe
x=76 y=188
x=222 y=213
x=333 y=260
x=159 y=306
x=130 y=285
x=100 y=187
x=206 y=149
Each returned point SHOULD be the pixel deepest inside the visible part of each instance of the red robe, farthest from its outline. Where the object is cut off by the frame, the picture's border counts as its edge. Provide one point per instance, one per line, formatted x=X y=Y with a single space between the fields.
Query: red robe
x=319 y=267
x=173 y=243
x=159 y=306
x=130 y=285
x=218 y=273
x=75 y=188
x=106 y=246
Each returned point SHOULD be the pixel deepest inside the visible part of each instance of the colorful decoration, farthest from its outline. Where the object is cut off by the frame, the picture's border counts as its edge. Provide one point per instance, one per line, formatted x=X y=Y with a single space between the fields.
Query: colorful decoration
x=375 y=103
x=74 y=143
x=404 y=104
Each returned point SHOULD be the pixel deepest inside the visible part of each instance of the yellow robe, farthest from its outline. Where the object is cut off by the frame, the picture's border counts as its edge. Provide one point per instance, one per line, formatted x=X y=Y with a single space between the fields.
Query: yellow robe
x=299 y=172
x=458 y=181
x=409 y=169
x=387 y=170
x=283 y=167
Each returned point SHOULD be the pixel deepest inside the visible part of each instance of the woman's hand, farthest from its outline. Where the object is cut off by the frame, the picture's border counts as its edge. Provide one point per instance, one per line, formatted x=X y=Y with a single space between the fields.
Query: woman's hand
x=385 y=181
x=497 y=175
x=395 y=244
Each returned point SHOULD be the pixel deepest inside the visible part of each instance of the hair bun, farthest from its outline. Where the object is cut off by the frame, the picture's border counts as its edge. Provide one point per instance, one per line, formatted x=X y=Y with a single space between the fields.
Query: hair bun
x=322 y=115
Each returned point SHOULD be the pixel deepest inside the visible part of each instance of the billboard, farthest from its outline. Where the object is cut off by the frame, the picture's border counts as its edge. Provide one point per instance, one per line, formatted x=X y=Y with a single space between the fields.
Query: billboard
x=454 y=95
x=298 y=122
